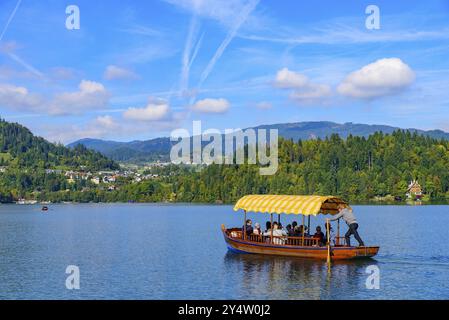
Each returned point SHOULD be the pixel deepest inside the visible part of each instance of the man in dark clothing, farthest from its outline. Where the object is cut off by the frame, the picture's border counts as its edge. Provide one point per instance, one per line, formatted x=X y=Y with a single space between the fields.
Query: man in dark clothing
x=294 y=225
x=319 y=235
x=289 y=230
x=249 y=228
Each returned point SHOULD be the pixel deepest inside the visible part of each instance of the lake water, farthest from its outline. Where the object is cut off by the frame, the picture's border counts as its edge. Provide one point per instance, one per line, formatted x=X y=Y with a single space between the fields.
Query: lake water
x=153 y=251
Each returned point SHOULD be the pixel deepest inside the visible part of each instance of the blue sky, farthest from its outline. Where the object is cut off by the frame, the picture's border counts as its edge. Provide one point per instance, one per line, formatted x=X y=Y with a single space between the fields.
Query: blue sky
x=138 y=70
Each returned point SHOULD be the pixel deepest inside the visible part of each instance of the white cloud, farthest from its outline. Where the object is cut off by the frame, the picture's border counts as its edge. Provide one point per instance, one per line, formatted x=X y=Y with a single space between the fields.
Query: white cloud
x=90 y=95
x=108 y=127
x=142 y=31
x=221 y=11
x=106 y=122
x=63 y=73
x=352 y=36
x=101 y=127
x=18 y=98
x=264 y=105
x=287 y=79
x=303 y=90
x=381 y=78
x=116 y=73
x=311 y=92
x=155 y=110
x=211 y=105
x=147 y=53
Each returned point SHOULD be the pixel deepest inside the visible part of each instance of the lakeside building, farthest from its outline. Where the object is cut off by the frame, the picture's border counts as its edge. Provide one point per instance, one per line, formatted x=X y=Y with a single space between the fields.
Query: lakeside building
x=414 y=190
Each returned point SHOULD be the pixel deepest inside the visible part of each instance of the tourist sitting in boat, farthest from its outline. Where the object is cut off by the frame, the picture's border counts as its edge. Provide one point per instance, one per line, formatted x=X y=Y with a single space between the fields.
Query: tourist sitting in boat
x=267 y=232
x=294 y=225
x=284 y=231
x=319 y=235
x=277 y=233
x=267 y=226
x=248 y=227
x=290 y=230
x=349 y=218
x=299 y=231
x=257 y=230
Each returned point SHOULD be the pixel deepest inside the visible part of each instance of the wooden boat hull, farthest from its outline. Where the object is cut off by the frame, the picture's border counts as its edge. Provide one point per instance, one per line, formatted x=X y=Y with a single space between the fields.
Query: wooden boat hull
x=337 y=253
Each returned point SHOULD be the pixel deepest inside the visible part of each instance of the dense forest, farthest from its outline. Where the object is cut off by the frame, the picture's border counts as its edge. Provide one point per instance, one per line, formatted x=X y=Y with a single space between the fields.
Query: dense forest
x=21 y=149
x=355 y=168
x=141 y=152
x=24 y=159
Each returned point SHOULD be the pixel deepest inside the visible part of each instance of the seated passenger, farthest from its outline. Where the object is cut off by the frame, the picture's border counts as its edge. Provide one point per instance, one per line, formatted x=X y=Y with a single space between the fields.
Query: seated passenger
x=300 y=230
x=257 y=230
x=319 y=235
x=267 y=226
x=289 y=230
x=249 y=227
x=268 y=231
x=306 y=231
x=297 y=231
x=294 y=225
x=280 y=227
x=277 y=234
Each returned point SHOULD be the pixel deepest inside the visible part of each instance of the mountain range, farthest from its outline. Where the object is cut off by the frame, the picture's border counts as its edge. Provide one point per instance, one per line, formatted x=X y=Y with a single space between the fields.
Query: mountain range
x=159 y=148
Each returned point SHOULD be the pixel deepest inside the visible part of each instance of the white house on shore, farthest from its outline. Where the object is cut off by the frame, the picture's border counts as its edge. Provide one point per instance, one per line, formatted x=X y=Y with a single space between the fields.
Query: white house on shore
x=414 y=190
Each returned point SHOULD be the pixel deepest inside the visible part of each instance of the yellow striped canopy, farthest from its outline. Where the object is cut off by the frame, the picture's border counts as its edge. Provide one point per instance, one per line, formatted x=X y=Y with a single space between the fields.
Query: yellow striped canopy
x=306 y=205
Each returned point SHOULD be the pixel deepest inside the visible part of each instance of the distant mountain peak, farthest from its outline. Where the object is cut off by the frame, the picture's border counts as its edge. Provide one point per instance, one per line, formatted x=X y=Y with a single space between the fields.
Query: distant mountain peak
x=159 y=148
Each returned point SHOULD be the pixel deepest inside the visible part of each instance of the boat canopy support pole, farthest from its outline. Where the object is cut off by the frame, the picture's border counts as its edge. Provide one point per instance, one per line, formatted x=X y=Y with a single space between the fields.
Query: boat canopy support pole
x=271 y=227
x=303 y=230
x=308 y=224
x=244 y=226
x=338 y=231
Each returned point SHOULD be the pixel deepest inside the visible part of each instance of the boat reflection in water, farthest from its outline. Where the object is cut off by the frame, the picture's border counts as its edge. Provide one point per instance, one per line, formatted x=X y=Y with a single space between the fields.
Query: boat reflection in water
x=278 y=277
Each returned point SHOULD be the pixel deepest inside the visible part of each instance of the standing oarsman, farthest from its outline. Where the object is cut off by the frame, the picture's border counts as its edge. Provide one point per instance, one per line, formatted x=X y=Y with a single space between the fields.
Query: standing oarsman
x=349 y=218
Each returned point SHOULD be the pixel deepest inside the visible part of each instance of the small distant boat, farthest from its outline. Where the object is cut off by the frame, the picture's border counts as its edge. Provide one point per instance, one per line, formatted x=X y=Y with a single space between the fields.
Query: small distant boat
x=44 y=208
x=302 y=246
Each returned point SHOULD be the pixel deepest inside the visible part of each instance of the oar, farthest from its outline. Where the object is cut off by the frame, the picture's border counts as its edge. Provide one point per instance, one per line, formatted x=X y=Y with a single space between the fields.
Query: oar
x=328 y=242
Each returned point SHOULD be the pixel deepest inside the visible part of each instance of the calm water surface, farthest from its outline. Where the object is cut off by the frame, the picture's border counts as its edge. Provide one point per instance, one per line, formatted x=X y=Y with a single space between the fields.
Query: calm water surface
x=150 y=251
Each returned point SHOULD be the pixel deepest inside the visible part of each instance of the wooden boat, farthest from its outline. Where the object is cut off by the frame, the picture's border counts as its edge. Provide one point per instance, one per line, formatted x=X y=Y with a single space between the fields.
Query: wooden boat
x=302 y=246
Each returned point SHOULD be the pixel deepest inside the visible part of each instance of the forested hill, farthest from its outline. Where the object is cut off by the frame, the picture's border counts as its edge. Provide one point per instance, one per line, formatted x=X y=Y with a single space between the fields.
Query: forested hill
x=19 y=148
x=159 y=148
x=355 y=168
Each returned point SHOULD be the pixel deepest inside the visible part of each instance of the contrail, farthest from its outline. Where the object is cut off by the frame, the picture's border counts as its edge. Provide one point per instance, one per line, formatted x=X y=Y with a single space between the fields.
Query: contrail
x=10 y=19
x=14 y=56
x=186 y=54
x=27 y=66
x=231 y=34
x=197 y=48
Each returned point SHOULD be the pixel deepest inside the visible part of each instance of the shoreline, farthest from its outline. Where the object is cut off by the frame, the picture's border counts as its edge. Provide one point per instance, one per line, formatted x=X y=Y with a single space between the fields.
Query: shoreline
x=355 y=203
